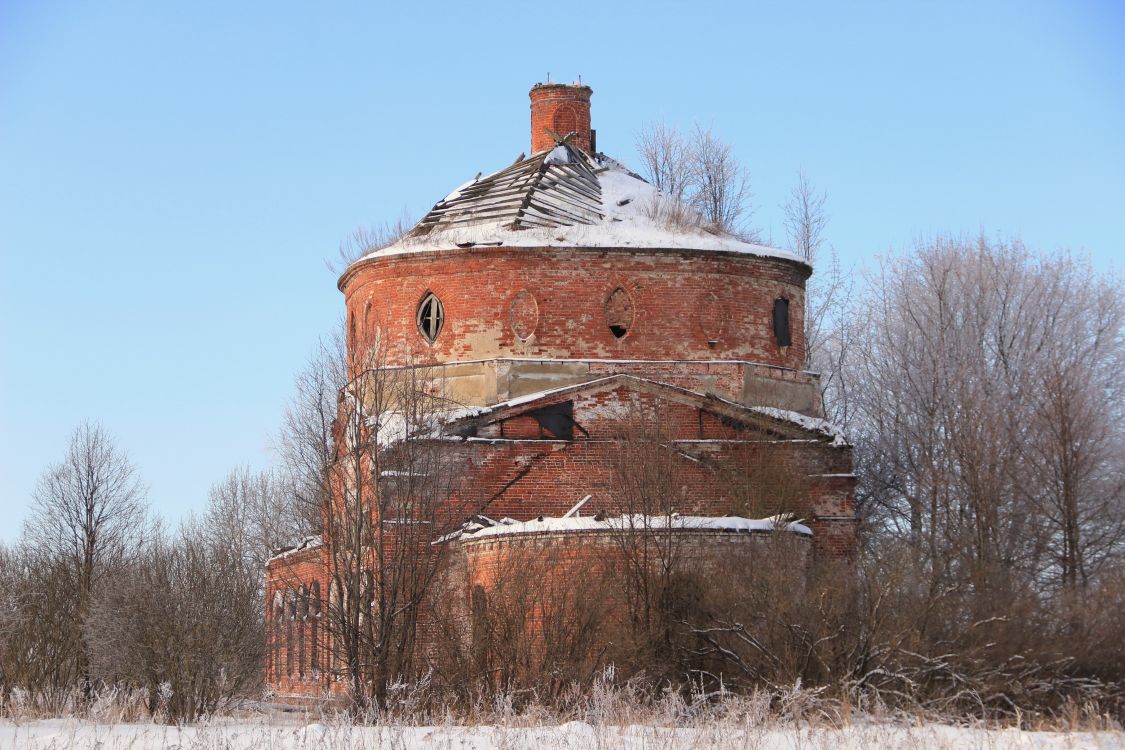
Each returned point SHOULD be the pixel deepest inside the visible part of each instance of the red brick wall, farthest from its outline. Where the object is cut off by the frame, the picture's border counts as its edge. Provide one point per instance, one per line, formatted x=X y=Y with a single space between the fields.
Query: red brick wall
x=298 y=651
x=725 y=552
x=717 y=470
x=562 y=108
x=587 y=570
x=526 y=479
x=672 y=293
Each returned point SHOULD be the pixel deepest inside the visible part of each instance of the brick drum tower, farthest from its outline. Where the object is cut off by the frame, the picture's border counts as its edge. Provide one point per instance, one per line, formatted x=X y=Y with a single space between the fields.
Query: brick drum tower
x=560 y=307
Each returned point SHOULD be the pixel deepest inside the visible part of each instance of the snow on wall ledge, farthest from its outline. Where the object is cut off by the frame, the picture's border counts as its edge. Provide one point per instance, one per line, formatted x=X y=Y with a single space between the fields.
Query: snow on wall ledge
x=636 y=215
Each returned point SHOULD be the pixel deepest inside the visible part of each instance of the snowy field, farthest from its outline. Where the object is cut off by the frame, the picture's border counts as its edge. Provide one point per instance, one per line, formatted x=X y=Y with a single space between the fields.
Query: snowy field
x=230 y=735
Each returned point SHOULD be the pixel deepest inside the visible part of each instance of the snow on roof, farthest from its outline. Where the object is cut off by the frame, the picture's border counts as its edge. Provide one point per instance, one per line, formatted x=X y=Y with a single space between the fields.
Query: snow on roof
x=813 y=424
x=630 y=522
x=391 y=427
x=564 y=197
x=309 y=542
x=823 y=426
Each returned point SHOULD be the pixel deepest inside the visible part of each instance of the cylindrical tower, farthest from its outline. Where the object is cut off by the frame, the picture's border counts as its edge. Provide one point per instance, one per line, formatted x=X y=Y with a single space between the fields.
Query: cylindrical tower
x=567 y=265
x=562 y=108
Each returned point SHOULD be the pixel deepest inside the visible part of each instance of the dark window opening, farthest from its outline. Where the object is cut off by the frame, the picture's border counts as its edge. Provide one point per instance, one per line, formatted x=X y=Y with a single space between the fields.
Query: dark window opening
x=300 y=648
x=619 y=313
x=314 y=610
x=781 y=322
x=278 y=624
x=431 y=316
x=558 y=420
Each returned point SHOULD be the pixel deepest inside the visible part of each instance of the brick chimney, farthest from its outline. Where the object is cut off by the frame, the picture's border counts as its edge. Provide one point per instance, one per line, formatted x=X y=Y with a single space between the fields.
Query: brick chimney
x=564 y=108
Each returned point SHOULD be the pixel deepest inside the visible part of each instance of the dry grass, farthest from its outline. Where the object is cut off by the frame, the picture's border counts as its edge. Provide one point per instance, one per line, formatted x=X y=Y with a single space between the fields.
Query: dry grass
x=606 y=715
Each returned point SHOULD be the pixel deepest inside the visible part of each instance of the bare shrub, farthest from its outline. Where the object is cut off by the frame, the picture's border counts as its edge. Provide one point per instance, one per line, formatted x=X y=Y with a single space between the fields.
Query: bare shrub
x=365 y=240
x=673 y=213
x=181 y=622
x=39 y=664
x=526 y=630
x=944 y=653
x=784 y=622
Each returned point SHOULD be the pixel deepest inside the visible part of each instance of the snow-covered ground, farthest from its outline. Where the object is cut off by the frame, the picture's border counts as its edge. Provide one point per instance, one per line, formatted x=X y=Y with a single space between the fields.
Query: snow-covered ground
x=259 y=735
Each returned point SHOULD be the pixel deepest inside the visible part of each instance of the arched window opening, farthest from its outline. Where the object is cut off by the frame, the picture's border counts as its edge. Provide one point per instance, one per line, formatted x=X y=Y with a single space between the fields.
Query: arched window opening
x=290 y=621
x=314 y=612
x=332 y=657
x=619 y=313
x=301 y=648
x=302 y=615
x=276 y=630
x=781 y=322
x=431 y=316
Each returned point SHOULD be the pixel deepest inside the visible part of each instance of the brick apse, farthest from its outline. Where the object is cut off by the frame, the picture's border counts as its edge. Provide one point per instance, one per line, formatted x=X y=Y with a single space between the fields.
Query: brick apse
x=562 y=306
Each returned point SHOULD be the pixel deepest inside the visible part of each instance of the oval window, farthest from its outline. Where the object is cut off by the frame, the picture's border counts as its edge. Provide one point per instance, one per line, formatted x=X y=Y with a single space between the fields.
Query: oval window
x=431 y=316
x=524 y=315
x=712 y=317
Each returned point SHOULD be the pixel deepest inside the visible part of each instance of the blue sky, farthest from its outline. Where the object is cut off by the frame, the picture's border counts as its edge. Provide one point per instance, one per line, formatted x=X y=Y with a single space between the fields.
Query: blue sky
x=173 y=176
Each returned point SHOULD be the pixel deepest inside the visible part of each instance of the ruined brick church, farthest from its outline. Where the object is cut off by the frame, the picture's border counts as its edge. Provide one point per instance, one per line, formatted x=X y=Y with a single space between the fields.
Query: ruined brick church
x=557 y=299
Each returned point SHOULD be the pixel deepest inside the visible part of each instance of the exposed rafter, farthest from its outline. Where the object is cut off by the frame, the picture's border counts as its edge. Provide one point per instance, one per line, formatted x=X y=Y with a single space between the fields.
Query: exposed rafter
x=555 y=188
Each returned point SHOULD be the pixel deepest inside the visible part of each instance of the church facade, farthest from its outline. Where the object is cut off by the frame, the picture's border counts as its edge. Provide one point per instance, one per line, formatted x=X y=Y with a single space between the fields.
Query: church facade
x=561 y=306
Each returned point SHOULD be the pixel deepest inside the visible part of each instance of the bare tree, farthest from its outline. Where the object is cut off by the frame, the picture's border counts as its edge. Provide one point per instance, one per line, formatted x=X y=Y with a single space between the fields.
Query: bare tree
x=307 y=440
x=828 y=293
x=254 y=514
x=720 y=184
x=702 y=172
x=665 y=158
x=360 y=452
x=1075 y=447
x=989 y=429
x=87 y=514
x=805 y=219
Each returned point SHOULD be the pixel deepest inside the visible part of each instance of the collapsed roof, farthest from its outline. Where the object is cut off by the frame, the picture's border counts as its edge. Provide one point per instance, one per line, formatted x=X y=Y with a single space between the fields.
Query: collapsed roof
x=553 y=188
x=566 y=197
